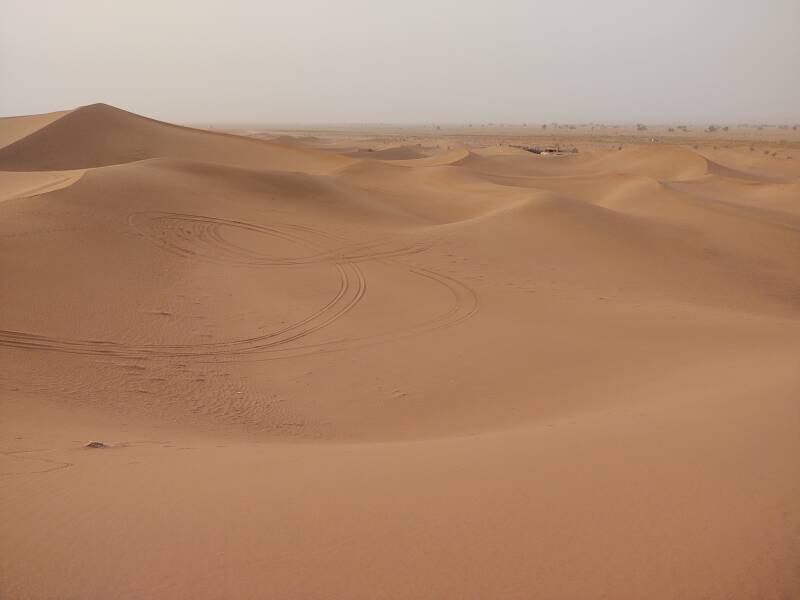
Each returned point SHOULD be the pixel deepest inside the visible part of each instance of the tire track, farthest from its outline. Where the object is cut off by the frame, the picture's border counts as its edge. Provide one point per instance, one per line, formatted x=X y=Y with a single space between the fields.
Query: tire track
x=57 y=464
x=179 y=234
x=202 y=238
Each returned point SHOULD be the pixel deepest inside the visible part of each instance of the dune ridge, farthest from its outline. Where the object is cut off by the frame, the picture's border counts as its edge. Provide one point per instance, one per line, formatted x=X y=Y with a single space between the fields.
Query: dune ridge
x=15 y=128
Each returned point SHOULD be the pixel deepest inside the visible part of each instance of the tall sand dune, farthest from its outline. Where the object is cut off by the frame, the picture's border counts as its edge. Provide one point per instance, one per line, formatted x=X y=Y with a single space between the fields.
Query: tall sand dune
x=478 y=374
x=100 y=135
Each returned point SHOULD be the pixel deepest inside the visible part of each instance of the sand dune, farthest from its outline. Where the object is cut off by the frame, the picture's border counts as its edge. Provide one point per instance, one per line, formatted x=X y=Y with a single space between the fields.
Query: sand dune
x=29 y=183
x=100 y=135
x=15 y=128
x=662 y=162
x=476 y=374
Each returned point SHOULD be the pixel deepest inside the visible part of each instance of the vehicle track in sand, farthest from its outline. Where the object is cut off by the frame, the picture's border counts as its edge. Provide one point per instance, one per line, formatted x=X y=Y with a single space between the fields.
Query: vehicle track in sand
x=201 y=237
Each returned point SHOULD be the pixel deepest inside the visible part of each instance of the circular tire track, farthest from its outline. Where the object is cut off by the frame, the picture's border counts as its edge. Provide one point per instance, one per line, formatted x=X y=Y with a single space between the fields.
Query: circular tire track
x=203 y=238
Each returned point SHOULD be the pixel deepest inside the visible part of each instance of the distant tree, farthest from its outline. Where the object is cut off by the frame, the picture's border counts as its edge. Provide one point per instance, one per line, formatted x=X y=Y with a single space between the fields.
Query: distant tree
x=641 y=127
x=544 y=126
x=671 y=129
x=711 y=128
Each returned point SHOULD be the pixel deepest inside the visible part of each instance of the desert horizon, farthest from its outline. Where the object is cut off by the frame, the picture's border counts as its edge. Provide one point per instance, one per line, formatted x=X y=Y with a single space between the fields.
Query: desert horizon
x=432 y=301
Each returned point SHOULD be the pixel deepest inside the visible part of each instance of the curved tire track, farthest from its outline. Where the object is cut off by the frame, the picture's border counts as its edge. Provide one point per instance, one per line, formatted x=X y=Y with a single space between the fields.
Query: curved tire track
x=202 y=238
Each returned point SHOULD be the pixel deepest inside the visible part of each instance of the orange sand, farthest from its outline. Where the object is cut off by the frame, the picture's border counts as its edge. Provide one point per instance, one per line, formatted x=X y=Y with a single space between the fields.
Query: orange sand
x=471 y=373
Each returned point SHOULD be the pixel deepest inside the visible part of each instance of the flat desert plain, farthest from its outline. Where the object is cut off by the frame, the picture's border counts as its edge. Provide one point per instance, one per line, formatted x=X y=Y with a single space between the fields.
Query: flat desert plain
x=436 y=368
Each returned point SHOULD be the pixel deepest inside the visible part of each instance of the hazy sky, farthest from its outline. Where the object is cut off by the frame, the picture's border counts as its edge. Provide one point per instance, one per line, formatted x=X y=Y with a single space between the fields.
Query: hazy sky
x=406 y=61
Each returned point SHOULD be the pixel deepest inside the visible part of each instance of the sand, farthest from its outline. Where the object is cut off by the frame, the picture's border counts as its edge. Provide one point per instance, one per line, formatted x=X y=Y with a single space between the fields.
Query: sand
x=463 y=371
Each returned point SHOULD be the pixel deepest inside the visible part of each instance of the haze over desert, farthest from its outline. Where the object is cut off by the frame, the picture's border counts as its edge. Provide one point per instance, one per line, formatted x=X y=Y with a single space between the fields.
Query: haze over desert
x=248 y=356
